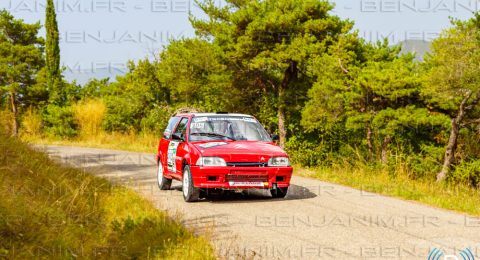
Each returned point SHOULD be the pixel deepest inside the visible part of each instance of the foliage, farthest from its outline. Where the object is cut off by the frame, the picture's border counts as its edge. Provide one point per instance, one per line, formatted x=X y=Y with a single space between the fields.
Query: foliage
x=453 y=81
x=467 y=173
x=331 y=96
x=52 y=57
x=130 y=99
x=193 y=72
x=20 y=60
x=270 y=42
x=59 y=121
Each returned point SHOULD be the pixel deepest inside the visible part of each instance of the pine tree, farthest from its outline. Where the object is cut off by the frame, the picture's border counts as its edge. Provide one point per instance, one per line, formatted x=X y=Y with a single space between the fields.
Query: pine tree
x=271 y=40
x=53 y=55
x=453 y=81
x=20 y=63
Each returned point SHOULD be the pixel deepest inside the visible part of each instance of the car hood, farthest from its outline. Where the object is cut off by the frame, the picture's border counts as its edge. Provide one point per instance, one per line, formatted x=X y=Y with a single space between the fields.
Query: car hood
x=240 y=151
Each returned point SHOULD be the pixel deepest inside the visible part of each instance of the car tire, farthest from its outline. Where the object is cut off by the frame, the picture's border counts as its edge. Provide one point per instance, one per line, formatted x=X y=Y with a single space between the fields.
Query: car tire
x=163 y=182
x=190 y=193
x=279 y=193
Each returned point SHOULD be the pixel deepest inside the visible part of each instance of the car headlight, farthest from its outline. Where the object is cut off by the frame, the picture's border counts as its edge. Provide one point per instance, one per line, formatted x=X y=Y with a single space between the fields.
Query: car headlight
x=279 y=162
x=211 y=161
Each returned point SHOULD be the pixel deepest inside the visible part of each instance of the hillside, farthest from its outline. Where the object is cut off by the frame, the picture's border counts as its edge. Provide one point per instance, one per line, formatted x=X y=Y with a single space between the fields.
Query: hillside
x=419 y=47
x=51 y=211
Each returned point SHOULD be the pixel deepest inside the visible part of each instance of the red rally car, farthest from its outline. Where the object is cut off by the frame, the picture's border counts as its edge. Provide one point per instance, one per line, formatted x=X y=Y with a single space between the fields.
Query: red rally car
x=221 y=151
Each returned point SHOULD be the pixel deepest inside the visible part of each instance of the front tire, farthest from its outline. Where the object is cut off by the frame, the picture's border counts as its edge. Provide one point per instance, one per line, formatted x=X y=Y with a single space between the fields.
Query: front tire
x=163 y=182
x=279 y=193
x=190 y=193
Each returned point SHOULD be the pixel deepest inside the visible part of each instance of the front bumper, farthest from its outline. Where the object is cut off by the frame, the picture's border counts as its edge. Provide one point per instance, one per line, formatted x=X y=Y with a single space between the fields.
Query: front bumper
x=240 y=177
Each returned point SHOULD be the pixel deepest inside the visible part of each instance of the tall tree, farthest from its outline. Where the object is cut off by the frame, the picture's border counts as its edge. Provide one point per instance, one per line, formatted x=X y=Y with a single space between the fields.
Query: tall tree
x=454 y=80
x=271 y=40
x=54 y=76
x=371 y=90
x=20 y=60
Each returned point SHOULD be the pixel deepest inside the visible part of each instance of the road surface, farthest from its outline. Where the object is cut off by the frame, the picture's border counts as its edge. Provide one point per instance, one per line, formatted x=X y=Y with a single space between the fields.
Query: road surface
x=317 y=220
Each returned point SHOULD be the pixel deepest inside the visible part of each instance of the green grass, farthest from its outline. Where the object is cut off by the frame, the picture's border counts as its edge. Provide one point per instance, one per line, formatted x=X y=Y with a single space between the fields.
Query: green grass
x=56 y=212
x=442 y=195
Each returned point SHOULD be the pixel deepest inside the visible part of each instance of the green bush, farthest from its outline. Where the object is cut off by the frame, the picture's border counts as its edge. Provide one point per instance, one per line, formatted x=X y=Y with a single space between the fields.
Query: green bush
x=157 y=119
x=59 y=121
x=426 y=164
x=307 y=153
x=467 y=172
x=123 y=113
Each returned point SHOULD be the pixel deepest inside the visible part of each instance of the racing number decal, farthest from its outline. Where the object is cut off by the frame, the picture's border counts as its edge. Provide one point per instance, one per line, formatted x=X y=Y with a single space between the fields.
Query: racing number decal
x=172 y=155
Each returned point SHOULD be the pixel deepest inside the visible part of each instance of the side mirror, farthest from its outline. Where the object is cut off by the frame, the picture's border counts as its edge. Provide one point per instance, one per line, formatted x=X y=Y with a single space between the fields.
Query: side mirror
x=275 y=137
x=177 y=137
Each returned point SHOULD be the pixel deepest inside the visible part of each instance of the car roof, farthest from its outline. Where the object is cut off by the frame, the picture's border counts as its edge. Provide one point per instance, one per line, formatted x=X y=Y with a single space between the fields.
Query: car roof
x=213 y=114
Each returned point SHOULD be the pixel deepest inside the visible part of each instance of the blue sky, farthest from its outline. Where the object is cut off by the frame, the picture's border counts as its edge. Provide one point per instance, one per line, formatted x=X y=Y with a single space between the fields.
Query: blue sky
x=98 y=37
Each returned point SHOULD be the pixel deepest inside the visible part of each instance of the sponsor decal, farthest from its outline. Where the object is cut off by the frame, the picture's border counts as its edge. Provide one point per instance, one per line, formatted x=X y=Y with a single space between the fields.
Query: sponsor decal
x=172 y=155
x=247 y=184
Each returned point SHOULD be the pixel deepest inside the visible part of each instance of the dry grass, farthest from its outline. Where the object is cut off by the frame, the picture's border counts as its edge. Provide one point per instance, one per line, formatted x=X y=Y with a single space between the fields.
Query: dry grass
x=89 y=115
x=49 y=211
x=31 y=124
x=443 y=195
x=6 y=120
x=143 y=142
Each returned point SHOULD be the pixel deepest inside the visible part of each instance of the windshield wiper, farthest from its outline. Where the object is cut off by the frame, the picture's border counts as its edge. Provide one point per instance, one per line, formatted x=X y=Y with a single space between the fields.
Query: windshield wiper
x=214 y=134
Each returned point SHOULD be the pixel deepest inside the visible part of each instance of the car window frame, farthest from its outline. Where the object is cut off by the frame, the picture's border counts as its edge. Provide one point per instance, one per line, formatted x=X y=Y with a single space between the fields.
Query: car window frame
x=186 y=127
x=173 y=128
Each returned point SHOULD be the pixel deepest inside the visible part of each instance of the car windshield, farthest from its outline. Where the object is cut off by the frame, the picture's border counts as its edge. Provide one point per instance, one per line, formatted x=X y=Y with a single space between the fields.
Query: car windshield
x=236 y=128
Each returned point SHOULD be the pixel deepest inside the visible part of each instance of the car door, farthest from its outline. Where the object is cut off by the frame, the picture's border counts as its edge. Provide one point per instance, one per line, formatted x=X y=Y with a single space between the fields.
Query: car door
x=174 y=145
x=165 y=141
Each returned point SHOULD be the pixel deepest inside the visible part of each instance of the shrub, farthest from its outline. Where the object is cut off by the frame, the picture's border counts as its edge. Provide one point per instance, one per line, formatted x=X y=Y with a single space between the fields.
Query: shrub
x=467 y=172
x=89 y=115
x=426 y=164
x=306 y=153
x=123 y=114
x=59 y=121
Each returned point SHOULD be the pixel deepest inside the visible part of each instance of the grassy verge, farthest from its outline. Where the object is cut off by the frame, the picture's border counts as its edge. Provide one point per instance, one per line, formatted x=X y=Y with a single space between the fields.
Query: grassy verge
x=442 y=195
x=52 y=211
x=128 y=142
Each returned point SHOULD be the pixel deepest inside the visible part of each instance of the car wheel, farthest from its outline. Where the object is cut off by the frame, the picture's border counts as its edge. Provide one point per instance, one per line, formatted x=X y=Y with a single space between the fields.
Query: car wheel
x=190 y=193
x=279 y=192
x=163 y=182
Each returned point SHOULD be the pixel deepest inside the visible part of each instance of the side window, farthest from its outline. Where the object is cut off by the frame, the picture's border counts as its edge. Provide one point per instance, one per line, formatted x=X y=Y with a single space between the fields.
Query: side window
x=182 y=128
x=171 y=124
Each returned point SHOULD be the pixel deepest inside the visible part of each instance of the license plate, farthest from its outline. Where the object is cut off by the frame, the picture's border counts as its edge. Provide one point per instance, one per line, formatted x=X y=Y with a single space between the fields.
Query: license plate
x=247 y=184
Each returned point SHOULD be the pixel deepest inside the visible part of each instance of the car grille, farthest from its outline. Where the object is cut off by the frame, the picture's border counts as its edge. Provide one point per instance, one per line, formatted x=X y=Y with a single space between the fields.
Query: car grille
x=247 y=164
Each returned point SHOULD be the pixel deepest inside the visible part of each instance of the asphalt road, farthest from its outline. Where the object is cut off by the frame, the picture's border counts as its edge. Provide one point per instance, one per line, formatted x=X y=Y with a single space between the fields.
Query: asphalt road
x=317 y=220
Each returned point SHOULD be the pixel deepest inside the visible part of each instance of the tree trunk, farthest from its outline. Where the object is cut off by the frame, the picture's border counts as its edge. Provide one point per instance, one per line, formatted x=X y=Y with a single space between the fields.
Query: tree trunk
x=369 y=143
x=13 y=103
x=386 y=141
x=288 y=75
x=282 y=132
x=452 y=141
